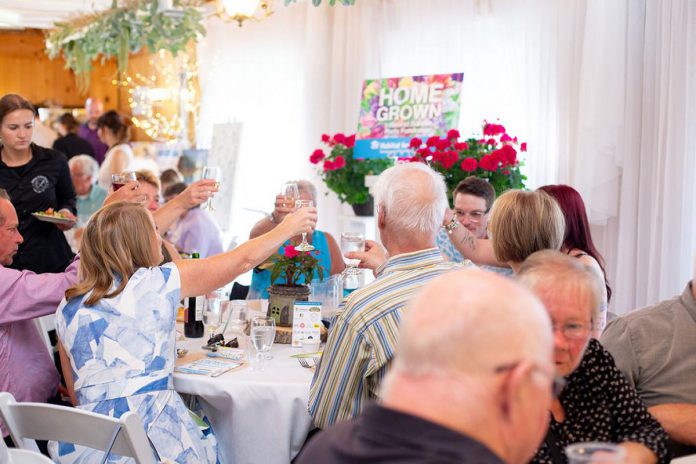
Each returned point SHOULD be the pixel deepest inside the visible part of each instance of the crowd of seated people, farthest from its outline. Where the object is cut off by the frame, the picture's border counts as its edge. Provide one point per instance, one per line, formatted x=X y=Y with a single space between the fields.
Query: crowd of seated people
x=433 y=361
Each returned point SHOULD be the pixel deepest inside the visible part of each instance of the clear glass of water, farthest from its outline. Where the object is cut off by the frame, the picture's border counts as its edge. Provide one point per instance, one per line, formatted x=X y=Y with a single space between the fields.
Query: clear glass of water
x=352 y=241
x=262 y=337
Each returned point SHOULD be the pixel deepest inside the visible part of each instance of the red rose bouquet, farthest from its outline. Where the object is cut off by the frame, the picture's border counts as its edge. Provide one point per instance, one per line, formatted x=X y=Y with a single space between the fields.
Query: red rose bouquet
x=344 y=174
x=493 y=157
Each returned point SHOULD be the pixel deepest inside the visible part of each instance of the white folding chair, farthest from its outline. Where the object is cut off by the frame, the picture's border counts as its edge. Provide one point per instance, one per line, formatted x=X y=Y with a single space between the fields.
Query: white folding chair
x=20 y=456
x=37 y=421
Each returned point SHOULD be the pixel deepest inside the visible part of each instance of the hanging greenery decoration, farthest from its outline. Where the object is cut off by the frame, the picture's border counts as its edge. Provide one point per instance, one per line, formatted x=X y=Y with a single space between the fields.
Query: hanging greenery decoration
x=121 y=30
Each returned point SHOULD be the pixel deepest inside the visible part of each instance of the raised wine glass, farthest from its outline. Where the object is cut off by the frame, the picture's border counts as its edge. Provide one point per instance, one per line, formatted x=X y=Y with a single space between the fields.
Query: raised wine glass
x=119 y=180
x=351 y=241
x=291 y=193
x=304 y=246
x=214 y=173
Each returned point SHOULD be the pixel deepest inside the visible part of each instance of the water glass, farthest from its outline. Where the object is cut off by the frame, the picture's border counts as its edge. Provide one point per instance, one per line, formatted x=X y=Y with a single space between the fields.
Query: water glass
x=262 y=337
x=595 y=453
x=351 y=241
x=214 y=173
x=291 y=193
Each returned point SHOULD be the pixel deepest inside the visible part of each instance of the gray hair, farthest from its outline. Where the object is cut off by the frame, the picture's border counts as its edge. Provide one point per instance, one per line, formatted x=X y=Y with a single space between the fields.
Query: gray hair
x=550 y=268
x=306 y=186
x=88 y=164
x=3 y=196
x=413 y=197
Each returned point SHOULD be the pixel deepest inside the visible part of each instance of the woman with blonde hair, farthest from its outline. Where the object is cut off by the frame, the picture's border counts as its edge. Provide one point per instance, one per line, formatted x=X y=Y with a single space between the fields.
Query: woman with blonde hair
x=117 y=326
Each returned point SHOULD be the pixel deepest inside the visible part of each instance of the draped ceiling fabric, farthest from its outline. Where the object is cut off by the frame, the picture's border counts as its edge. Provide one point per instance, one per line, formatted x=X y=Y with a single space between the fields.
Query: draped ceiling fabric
x=603 y=92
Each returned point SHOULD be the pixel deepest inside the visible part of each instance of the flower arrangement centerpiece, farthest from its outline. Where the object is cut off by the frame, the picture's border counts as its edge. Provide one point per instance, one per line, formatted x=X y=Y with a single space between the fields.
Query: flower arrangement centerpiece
x=344 y=174
x=493 y=157
x=293 y=266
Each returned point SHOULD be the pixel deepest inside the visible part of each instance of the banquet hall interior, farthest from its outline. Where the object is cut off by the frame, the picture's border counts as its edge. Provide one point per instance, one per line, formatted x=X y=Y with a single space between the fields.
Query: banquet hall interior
x=450 y=147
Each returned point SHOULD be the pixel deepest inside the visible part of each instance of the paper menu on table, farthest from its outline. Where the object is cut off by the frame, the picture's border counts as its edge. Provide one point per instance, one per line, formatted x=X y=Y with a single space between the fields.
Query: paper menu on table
x=207 y=366
x=306 y=321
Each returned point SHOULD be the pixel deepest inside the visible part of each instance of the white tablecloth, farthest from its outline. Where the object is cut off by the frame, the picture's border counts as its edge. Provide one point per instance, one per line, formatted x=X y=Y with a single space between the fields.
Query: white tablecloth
x=258 y=417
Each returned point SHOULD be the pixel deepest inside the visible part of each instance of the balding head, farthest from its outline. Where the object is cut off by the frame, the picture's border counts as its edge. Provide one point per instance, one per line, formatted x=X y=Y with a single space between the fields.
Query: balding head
x=10 y=238
x=411 y=199
x=94 y=108
x=472 y=321
x=474 y=356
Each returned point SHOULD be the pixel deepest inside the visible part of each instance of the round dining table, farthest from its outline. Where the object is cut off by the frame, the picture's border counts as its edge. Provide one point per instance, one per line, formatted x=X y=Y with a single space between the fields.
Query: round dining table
x=257 y=416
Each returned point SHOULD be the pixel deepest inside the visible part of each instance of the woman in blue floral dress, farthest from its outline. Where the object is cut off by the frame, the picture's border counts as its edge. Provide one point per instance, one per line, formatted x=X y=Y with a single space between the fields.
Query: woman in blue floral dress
x=117 y=326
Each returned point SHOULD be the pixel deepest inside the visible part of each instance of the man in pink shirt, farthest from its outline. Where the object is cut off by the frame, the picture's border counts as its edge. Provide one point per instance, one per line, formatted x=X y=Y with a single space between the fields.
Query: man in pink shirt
x=26 y=368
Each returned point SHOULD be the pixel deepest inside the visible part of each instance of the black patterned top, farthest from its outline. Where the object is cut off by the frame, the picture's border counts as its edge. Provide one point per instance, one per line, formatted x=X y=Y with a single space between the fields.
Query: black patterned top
x=600 y=405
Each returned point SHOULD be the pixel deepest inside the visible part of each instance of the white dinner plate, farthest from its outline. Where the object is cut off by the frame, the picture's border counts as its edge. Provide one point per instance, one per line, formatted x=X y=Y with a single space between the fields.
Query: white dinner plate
x=51 y=219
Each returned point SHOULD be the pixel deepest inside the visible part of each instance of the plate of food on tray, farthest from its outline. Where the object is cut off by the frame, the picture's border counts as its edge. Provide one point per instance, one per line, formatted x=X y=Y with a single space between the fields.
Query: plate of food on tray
x=50 y=215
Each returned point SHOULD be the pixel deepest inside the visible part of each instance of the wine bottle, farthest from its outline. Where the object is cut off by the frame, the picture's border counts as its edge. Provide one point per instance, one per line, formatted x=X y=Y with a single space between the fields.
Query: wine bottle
x=193 y=319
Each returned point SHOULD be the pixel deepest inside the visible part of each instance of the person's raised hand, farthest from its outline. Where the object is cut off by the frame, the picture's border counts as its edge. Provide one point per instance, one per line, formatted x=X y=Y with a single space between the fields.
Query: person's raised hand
x=198 y=192
x=282 y=208
x=373 y=256
x=129 y=192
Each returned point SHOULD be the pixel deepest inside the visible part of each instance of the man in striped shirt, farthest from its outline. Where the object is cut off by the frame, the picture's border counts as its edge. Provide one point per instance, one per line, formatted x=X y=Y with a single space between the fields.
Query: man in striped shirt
x=411 y=201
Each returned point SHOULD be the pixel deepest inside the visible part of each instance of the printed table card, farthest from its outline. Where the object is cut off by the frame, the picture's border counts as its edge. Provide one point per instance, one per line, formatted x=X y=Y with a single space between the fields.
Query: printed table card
x=306 y=322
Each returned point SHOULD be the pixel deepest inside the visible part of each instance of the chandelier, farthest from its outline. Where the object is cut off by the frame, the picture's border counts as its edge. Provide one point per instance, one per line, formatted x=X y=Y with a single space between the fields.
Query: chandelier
x=243 y=10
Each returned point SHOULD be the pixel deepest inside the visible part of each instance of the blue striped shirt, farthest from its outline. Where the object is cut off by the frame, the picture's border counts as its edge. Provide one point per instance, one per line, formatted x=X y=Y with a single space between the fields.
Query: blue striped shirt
x=362 y=340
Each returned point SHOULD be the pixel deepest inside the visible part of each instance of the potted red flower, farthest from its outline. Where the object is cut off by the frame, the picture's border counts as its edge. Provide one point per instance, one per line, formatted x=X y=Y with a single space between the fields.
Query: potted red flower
x=494 y=156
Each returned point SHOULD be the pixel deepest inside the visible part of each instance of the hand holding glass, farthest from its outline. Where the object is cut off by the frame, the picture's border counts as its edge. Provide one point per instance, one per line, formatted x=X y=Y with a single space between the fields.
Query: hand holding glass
x=352 y=242
x=304 y=246
x=214 y=173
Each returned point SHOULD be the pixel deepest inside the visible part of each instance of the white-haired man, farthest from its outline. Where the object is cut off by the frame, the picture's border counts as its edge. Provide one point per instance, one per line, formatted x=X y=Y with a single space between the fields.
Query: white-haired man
x=411 y=201
x=655 y=348
x=90 y=196
x=465 y=387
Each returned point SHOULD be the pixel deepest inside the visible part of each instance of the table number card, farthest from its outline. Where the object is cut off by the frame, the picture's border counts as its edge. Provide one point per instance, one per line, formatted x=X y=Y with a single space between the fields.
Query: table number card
x=306 y=322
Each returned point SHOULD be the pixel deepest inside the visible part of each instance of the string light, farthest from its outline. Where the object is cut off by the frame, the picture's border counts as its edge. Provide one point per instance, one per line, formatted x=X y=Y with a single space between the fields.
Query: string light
x=163 y=105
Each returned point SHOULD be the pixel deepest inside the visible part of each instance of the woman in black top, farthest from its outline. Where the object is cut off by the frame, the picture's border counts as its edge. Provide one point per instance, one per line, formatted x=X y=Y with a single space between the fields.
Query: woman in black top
x=69 y=143
x=597 y=403
x=36 y=178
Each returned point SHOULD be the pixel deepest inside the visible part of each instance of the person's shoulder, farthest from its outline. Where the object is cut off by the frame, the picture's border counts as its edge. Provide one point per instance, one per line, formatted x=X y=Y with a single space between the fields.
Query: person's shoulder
x=646 y=316
x=49 y=154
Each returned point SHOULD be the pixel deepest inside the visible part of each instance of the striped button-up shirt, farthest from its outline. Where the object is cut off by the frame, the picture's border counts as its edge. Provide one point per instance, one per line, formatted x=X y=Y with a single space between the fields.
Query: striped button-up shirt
x=362 y=339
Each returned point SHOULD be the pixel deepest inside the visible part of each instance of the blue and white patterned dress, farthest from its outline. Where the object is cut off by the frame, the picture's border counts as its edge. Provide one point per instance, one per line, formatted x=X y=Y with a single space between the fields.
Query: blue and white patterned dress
x=122 y=353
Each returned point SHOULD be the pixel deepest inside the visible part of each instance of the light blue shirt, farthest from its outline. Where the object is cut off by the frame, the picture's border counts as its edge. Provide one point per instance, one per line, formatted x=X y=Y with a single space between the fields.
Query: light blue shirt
x=89 y=204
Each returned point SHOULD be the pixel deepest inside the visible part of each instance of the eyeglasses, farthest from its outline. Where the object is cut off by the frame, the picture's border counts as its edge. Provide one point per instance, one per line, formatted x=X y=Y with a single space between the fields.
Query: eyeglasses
x=573 y=330
x=557 y=384
x=474 y=216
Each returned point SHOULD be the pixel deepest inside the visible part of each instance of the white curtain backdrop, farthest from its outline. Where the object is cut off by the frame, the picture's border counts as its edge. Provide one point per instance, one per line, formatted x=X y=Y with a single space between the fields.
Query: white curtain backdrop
x=603 y=92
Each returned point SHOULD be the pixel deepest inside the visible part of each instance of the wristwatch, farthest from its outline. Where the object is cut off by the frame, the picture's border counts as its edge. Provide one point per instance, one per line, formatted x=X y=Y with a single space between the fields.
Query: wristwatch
x=453 y=224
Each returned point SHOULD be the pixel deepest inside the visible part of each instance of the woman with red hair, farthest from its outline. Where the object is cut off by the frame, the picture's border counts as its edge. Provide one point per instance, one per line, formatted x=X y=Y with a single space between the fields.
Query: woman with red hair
x=578 y=239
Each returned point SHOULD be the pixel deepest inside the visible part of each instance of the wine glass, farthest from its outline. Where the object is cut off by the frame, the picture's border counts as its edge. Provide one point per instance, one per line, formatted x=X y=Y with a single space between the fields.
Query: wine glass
x=304 y=246
x=212 y=314
x=351 y=241
x=214 y=173
x=262 y=337
x=121 y=179
x=291 y=193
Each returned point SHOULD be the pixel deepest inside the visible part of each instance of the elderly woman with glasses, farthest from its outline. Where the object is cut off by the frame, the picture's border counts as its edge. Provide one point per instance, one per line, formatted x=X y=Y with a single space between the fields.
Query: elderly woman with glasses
x=597 y=403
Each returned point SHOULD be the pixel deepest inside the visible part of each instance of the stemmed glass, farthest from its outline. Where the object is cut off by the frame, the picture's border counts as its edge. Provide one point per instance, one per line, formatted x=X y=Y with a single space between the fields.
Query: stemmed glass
x=262 y=337
x=291 y=193
x=235 y=315
x=214 y=173
x=212 y=315
x=352 y=242
x=119 y=180
x=304 y=246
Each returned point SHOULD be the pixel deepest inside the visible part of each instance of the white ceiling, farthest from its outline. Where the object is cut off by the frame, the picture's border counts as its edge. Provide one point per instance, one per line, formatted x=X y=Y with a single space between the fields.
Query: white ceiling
x=41 y=14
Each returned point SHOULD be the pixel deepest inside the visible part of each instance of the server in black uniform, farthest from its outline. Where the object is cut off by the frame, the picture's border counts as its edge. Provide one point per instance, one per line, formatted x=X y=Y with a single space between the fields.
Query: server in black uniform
x=37 y=179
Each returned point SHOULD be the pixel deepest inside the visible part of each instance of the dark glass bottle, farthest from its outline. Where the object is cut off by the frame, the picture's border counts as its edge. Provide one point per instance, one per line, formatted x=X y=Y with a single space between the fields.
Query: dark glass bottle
x=193 y=316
